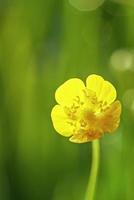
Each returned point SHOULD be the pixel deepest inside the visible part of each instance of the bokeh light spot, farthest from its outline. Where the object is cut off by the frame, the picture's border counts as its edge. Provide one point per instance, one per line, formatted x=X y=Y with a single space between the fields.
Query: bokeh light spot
x=128 y=99
x=86 y=5
x=122 y=60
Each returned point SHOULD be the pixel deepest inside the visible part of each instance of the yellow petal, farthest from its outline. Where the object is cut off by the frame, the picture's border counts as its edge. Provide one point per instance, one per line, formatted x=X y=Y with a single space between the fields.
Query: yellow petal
x=83 y=138
x=109 y=122
x=69 y=90
x=104 y=90
x=60 y=121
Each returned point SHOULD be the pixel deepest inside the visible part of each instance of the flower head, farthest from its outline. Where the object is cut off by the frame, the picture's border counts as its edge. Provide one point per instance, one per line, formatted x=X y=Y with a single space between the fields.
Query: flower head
x=85 y=113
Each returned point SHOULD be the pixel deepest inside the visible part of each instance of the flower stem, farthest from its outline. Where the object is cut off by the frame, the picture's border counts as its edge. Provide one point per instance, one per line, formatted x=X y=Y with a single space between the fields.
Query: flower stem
x=94 y=170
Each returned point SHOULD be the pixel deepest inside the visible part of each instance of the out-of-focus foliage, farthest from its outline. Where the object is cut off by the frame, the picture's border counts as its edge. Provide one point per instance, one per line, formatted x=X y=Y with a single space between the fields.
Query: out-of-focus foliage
x=42 y=44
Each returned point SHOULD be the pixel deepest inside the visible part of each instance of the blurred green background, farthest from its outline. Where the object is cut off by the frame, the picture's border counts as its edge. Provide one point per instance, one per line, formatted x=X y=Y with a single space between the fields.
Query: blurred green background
x=42 y=44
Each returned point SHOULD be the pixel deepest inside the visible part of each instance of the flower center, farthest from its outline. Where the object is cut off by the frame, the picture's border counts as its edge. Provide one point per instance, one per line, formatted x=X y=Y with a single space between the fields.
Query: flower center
x=82 y=114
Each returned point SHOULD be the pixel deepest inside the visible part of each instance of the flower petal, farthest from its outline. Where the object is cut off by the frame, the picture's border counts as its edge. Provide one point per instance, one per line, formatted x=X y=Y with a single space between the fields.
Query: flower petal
x=109 y=122
x=60 y=121
x=104 y=90
x=69 y=90
x=83 y=138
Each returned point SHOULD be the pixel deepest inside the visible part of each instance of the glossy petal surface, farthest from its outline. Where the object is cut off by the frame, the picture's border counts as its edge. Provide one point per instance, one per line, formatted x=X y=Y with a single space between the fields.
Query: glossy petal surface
x=60 y=121
x=68 y=91
x=104 y=90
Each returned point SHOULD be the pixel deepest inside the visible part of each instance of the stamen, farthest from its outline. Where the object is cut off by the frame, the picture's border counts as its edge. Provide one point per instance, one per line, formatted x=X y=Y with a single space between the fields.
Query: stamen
x=83 y=123
x=77 y=99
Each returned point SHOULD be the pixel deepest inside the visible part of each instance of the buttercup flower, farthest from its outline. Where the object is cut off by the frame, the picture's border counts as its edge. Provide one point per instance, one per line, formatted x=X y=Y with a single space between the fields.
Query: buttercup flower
x=85 y=113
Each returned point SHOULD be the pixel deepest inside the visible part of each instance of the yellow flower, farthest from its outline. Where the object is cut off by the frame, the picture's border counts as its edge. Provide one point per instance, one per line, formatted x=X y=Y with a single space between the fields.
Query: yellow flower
x=85 y=113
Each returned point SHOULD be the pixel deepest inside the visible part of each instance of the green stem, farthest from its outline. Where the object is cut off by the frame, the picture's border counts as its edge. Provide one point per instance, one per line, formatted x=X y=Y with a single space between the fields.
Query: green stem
x=94 y=170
